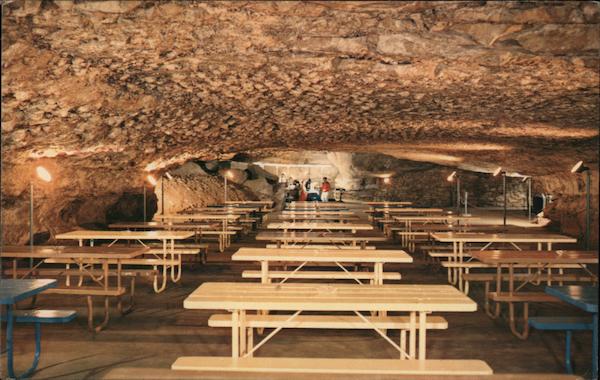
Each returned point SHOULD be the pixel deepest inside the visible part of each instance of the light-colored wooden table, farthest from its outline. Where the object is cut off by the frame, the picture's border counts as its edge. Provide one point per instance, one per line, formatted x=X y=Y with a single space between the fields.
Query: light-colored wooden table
x=459 y=240
x=321 y=205
x=417 y=300
x=291 y=239
x=314 y=217
x=318 y=212
x=225 y=219
x=407 y=221
x=84 y=258
x=337 y=256
x=319 y=226
x=538 y=264
x=167 y=238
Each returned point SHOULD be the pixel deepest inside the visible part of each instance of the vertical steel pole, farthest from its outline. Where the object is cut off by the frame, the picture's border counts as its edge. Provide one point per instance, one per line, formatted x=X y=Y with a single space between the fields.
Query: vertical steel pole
x=529 y=199
x=31 y=216
x=31 y=222
x=144 y=202
x=504 y=192
x=225 y=192
x=466 y=202
x=587 y=209
x=458 y=195
x=162 y=195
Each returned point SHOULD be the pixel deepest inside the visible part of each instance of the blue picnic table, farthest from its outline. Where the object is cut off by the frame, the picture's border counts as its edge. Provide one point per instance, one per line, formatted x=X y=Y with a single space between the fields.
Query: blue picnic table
x=11 y=292
x=585 y=298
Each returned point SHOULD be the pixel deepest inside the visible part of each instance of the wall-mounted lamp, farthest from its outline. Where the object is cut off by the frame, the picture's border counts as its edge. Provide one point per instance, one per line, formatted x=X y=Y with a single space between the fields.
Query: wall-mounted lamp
x=387 y=180
x=227 y=174
x=495 y=174
x=581 y=168
x=451 y=178
x=44 y=175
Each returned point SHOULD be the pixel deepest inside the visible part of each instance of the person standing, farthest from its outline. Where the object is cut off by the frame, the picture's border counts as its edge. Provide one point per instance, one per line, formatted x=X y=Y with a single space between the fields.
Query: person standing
x=325 y=188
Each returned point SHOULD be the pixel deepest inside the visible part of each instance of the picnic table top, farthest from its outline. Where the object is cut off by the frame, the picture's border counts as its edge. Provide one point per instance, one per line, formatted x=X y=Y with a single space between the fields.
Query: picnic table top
x=198 y=216
x=409 y=210
x=265 y=203
x=439 y=227
x=312 y=216
x=534 y=257
x=160 y=225
x=319 y=226
x=321 y=255
x=433 y=217
x=138 y=235
x=317 y=212
x=226 y=210
x=318 y=236
x=328 y=297
x=388 y=203
x=46 y=252
x=15 y=290
x=501 y=237
x=583 y=297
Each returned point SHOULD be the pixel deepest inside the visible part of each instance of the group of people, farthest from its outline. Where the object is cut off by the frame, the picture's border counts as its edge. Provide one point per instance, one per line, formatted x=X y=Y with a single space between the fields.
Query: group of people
x=308 y=190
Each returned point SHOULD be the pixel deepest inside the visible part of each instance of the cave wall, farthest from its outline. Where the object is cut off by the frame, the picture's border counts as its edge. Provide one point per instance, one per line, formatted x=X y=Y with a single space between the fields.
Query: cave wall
x=108 y=91
x=567 y=211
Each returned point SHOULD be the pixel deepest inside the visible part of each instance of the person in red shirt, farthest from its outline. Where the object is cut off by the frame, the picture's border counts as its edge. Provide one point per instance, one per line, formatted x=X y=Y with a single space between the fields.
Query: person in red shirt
x=325 y=188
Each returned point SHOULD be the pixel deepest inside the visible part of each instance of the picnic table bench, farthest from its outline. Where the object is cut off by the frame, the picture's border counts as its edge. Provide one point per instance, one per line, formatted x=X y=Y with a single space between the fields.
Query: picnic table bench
x=167 y=238
x=84 y=258
x=298 y=239
x=265 y=256
x=417 y=300
x=319 y=226
x=536 y=263
x=459 y=240
x=15 y=290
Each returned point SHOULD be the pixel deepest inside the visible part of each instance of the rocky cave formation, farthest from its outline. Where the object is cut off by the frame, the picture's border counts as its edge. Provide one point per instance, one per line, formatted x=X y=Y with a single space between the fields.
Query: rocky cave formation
x=103 y=93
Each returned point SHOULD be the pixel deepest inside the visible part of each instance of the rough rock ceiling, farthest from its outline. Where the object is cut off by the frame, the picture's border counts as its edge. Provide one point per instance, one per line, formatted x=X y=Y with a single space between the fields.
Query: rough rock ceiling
x=142 y=85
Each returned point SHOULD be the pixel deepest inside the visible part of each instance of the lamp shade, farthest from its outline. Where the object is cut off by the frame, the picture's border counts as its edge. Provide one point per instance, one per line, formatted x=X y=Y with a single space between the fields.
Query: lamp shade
x=451 y=176
x=497 y=171
x=151 y=179
x=579 y=168
x=43 y=174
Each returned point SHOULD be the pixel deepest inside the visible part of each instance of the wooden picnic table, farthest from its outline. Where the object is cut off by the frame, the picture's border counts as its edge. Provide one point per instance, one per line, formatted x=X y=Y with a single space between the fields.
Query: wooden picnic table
x=417 y=300
x=160 y=226
x=167 y=238
x=388 y=203
x=315 y=217
x=254 y=203
x=318 y=212
x=459 y=240
x=408 y=210
x=408 y=220
x=333 y=255
x=307 y=204
x=224 y=238
x=84 y=258
x=322 y=226
x=538 y=264
x=290 y=239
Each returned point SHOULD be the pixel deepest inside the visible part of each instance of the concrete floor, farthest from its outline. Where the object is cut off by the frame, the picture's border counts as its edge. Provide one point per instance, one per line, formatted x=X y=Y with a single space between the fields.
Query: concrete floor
x=159 y=330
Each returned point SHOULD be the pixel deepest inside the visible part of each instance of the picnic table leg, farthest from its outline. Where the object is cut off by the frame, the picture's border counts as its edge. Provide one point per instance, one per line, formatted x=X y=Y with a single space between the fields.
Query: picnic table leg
x=10 y=346
x=120 y=307
x=422 y=334
x=402 y=343
x=175 y=268
x=249 y=341
x=242 y=332
x=595 y=346
x=413 y=335
x=568 y=366
x=235 y=331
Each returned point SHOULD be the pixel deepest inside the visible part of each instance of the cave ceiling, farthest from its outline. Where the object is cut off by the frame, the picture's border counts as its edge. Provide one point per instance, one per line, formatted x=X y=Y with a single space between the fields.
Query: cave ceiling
x=145 y=85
